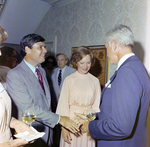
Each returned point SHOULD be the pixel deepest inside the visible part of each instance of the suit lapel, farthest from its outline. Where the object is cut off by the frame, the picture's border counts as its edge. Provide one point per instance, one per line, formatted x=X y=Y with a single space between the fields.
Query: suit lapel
x=28 y=73
x=111 y=80
x=34 y=81
x=65 y=74
x=56 y=78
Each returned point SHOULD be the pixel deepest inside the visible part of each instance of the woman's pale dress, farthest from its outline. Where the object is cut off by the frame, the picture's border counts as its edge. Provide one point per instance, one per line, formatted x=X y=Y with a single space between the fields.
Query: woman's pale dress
x=5 y=116
x=79 y=93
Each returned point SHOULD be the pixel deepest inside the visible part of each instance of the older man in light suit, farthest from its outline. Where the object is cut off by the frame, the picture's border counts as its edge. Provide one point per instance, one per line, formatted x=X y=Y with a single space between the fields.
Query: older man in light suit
x=125 y=98
x=65 y=71
x=28 y=88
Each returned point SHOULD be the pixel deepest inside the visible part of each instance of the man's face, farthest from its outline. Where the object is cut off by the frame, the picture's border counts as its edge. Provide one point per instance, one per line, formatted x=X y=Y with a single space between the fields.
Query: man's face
x=36 y=54
x=61 y=61
x=111 y=54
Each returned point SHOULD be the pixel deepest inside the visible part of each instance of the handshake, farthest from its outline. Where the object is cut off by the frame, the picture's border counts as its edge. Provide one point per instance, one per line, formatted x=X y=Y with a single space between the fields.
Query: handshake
x=78 y=125
x=82 y=120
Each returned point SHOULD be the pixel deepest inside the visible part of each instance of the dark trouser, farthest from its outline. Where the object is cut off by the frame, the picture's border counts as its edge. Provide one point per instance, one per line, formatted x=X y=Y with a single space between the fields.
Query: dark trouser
x=56 y=135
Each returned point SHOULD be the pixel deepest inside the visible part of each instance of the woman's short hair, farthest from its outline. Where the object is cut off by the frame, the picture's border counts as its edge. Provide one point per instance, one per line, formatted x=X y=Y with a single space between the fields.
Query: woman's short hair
x=79 y=53
x=122 y=34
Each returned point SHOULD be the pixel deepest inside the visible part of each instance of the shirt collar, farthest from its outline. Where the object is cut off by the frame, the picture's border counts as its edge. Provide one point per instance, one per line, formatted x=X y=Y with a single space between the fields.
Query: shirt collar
x=62 y=70
x=123 y=59
x=30 y=66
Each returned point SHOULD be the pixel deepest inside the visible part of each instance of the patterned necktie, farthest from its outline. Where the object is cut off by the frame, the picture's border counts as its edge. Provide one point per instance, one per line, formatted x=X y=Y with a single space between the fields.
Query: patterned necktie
x=40 y=78
x=59 y=78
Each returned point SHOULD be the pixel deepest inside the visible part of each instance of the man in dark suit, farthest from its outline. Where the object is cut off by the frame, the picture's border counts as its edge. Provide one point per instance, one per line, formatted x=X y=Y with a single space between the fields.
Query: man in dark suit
x=125 y=98
x=28 y=88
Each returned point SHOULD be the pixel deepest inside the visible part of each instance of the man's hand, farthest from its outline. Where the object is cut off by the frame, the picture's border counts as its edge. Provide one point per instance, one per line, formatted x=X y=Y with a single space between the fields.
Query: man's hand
x=85 y=127
x=19 y=126
x=83 y=122
x=67 y=123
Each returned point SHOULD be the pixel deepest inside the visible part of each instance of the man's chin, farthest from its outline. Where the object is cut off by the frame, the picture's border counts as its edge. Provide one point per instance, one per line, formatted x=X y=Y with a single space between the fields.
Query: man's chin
x=43 y=59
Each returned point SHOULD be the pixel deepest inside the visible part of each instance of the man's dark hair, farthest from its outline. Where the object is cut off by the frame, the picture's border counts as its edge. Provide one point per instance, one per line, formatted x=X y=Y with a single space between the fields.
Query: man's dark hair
x=29 y=41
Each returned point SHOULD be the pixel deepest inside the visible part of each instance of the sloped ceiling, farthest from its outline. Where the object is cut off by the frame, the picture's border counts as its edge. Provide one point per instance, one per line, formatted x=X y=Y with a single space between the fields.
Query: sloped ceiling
x=21 y=17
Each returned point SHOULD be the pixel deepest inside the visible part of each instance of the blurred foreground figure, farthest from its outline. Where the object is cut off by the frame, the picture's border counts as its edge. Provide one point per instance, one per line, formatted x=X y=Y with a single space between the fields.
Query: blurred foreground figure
x=6 y=121
x=8 y=60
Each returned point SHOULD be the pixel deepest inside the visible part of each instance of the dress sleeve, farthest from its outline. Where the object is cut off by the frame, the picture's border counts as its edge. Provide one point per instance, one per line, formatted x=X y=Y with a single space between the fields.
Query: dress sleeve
x=96 y=103
x=63 y=103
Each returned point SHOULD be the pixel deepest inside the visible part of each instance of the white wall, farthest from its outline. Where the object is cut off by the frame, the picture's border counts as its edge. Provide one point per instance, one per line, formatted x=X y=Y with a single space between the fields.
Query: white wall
x=21 y=17
x=85 y=22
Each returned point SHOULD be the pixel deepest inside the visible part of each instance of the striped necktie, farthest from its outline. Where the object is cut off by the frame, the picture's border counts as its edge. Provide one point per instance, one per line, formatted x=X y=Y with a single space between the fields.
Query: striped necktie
x=59 y=78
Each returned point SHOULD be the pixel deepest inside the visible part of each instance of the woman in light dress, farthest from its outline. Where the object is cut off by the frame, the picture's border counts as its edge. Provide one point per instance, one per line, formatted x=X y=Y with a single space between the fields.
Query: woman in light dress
x=80 y=93
x=6 y=121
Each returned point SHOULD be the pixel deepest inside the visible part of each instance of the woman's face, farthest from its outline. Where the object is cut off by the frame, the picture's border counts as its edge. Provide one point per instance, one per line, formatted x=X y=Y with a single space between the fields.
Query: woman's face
x=84 y=65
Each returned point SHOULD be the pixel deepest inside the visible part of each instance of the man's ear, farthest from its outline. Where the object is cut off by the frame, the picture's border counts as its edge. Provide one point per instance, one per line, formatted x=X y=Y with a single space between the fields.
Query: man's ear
x=27 y=50
x=114 y=45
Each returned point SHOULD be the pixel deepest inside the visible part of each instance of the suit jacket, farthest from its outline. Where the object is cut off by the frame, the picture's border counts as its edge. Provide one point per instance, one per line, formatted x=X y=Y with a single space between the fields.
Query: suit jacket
x=54 y=80
x=26 y=92
x=124 y=106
